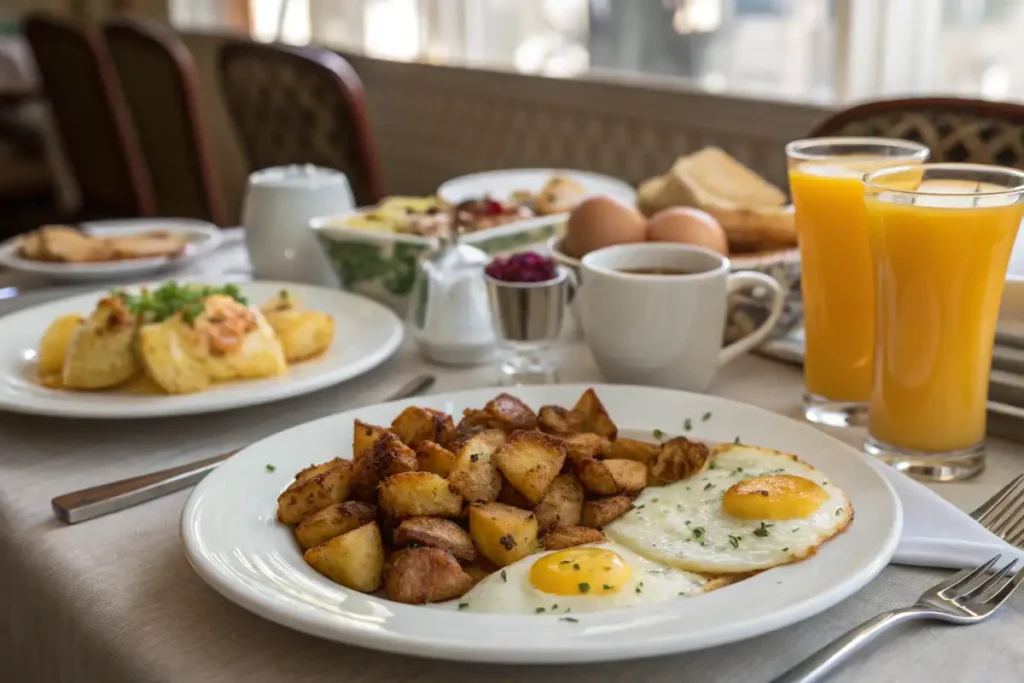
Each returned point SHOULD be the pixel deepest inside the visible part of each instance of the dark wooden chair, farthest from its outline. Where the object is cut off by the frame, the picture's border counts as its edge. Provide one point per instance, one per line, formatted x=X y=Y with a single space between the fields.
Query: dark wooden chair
x=954 y=129
x=161 y=86
x=299 y=105
x=92 y=118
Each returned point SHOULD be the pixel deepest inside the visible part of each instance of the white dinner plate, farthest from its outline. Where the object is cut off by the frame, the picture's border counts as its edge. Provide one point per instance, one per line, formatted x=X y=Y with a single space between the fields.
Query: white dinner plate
x=204 y=237
x=501 y=184
x=365 y=335
x=234 y=542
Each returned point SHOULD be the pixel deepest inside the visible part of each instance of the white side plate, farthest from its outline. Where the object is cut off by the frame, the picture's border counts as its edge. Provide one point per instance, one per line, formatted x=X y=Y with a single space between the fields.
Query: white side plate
x=501 y=184
x=234 y=542
x=365 y=335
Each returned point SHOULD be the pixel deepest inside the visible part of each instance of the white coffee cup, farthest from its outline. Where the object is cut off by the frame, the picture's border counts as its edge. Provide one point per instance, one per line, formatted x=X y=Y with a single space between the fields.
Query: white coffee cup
x=664 y=329
x=279 y=203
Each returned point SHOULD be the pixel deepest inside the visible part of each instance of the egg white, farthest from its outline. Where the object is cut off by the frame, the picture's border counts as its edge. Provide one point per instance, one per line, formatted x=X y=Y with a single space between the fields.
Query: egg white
x=509 y=590
x=683 y=524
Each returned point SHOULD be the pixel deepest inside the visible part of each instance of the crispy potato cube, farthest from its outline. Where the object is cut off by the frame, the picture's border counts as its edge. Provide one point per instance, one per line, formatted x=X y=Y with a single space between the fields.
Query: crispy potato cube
x=314 y=470
x=562 y=505
x=474 y=474
x=502 y=534
x=416 y=494
x=569 y=536
x=530 y=461
x=602 y=511
x=364 y=437
x=595 y=417
x=677 y=459
x=306 y=496
x=467 y=428
x=355 y=560
x=388 y=456
x=420 y=575
x=510 y=496
x=559 y=421
x=333 y=520
x=415 y=425
x=632 y=449
x=630 y=476
x=434 y=458
x=479 y=569
x=585 y=446
x=509 y=414
x=436 y=533
x=596 y=477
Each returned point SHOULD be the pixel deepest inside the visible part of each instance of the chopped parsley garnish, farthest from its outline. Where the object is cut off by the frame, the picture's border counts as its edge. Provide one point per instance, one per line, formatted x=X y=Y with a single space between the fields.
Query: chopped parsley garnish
x=507 y=541
x=738 y=470
x=698 y=532
x=584 y=587
x=762 y=530
x=654 y=500
x=283 y=294
x=658 y=433
x=270 y=468
x=705 y=417
x=736 y=440
x=554 y=606
x=735 y=541
x=688 y=424
x=708 y=485
x=474 y=457
x=639 y=507
x=571 y=620
x=713 y=465
x=463 y=605
x=640 y=587
x=839 y=511
x=159 y=304
x=576 y=567
x=785 y=549
x=687 y=521
x=607 y=587
x=824 y=483
x=565 y=562
x=539 y=610
x=503 y=577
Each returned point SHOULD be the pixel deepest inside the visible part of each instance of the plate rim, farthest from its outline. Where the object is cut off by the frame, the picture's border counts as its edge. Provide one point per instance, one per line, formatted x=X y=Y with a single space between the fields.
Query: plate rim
x=281 y=392
x=625 y=187
x=253 y=600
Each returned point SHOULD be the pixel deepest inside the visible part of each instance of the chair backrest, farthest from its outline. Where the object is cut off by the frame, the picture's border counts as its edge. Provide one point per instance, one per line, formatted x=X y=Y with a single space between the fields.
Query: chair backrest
x=94 y=123
x=161 y=86
x=954 y=129
x=298 y=105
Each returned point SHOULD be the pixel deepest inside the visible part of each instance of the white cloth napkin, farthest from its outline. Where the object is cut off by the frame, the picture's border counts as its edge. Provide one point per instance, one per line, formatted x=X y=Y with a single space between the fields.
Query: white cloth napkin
x=936 y=533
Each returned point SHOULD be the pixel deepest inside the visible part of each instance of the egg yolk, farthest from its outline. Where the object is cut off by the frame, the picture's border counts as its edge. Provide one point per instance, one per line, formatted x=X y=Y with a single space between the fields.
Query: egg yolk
x=580 y=571
x=778 y=496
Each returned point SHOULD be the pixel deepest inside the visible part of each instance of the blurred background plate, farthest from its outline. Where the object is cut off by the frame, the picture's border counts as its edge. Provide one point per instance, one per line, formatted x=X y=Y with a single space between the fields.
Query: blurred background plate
x=502 y=184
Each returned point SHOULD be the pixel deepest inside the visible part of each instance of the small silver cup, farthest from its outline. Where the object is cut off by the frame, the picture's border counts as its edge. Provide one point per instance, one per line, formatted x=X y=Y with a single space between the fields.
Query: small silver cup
x=528 y=319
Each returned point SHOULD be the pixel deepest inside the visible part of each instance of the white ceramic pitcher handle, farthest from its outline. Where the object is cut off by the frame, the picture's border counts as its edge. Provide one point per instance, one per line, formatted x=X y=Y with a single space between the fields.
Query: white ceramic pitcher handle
x=743 y=280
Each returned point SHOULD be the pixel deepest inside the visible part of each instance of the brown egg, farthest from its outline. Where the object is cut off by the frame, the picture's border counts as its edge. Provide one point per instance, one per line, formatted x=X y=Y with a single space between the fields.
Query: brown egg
x=601 y=222
x=688 y=226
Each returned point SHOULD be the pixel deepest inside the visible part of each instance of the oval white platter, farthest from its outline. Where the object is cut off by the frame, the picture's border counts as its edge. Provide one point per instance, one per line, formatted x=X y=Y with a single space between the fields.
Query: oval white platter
x=365 y=335
x=204 y=237
x=234 y=542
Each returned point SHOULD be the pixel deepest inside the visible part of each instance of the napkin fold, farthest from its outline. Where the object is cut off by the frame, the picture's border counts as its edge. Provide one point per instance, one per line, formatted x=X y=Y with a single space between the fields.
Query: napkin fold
x=936 y=533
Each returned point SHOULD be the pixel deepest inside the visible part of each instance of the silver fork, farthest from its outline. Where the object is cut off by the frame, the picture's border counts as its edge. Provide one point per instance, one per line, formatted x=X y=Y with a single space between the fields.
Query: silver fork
x=964 y=598
x=1003 y=514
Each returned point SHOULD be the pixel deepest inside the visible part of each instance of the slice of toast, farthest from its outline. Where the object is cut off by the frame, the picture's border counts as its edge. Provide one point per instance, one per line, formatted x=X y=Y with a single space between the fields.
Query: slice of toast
x=711 y=173
x=62 y=243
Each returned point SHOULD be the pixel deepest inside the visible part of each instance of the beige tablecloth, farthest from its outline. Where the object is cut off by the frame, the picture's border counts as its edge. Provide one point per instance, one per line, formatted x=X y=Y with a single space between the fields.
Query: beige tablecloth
x=114 y=600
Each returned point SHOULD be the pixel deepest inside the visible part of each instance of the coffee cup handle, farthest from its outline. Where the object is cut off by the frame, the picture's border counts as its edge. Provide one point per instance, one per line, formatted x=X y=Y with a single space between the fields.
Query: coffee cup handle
x=752 y=279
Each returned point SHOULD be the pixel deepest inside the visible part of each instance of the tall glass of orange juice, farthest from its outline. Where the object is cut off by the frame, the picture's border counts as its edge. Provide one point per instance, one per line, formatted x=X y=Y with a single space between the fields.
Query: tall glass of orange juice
x=941 y=237
x=825 y=181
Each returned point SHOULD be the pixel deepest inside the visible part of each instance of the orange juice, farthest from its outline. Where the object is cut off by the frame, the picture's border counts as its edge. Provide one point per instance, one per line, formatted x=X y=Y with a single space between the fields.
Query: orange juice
x=940 y=265
x=836 y=267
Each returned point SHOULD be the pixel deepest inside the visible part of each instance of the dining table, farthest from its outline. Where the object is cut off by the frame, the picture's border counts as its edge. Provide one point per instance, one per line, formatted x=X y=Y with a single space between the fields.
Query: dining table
x=114 y=599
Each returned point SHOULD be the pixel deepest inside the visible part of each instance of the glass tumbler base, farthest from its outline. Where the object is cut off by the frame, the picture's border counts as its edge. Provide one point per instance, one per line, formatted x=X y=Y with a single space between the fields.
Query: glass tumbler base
x=949 y=466
x=821 y=410
x=525 y=363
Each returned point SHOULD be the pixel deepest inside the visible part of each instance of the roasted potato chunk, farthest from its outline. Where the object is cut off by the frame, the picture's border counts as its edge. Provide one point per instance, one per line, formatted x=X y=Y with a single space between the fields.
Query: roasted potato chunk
x=434 y=458
x=509 y=496
x=420 y=575
x=595 y=417
x=509 y=414
x=467 y=427
x=388 y=456
x=474 y=474
x=630 y=476
x=54 y=346
x=502 y=534
x=415 y=425
x=364 y=437
x=596 y=477
x=677 y=459
x=355 y=560
x=436 y=533
x=306 y=496
x=416 y=494
x=333 y=520
x=602 y=511
x=480 y=568
x=569 y=536
x=562 y=505
x=559 y=421
x=583 y=446
x=632 y=449
x=530 y=461
x=314 y=470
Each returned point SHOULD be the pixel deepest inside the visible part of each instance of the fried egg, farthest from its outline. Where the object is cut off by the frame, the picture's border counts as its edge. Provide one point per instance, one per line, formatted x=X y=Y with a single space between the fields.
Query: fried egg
x=588 y=578
x=750 y=509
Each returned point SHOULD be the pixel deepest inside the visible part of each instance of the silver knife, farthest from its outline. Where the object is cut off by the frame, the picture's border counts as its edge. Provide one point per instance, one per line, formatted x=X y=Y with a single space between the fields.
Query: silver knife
x=97 y=501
